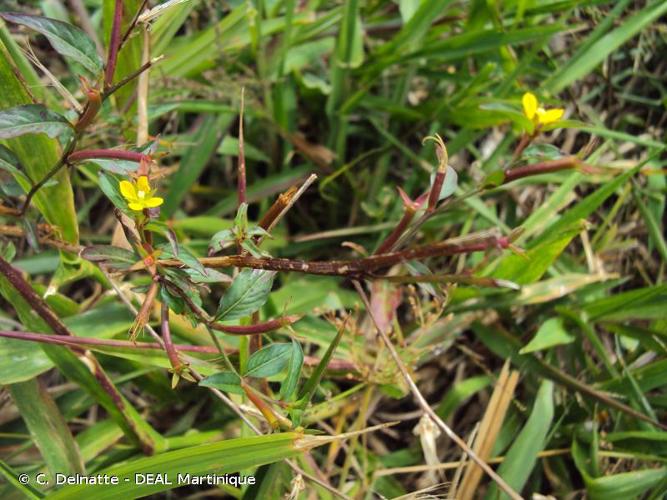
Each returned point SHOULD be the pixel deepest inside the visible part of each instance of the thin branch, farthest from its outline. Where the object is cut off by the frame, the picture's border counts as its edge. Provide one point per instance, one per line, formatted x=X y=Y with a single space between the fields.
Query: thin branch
x=545 y=167
x=354 y=267
x=311 y=178
x=421 y=401
x=241 y=184
x=256 y=328
x=109 y=91
x=169 y=347
x=54 y=170
x=112 y=154
x=231 y=404
x=338 y=365
x=131 y=26
x=39 y=306
x=114 y=44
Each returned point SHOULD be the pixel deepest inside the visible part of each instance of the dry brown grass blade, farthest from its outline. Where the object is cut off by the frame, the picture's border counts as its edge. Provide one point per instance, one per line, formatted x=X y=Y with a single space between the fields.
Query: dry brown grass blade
x=421 y=401
x=489 y=429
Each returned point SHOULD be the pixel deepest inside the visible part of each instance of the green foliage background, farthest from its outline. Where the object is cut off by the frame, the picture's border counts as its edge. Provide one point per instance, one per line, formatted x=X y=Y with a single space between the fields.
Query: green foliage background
x=348 y=90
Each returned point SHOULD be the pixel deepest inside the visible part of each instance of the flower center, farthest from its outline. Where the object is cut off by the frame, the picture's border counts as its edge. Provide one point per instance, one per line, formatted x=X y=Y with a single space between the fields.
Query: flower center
x=141 y=194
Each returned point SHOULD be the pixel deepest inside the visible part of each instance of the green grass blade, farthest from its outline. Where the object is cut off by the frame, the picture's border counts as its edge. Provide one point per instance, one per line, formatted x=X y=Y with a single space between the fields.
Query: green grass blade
x=206 y=139
x=522 y=455
x=231 y=455
x=47 y=426
x=38 y=154
x=585 y=62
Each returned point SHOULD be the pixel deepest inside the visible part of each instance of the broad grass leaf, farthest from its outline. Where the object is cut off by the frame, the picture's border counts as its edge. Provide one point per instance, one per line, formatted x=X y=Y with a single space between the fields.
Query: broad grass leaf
x=599 y=48
x=269 y=360
x=227 y=456
x=528 y=268
x=617 y=486
x=550 y=334
x=37 y=155
x=248 y=292
x=522 y=455
x=32 y=119
x=22 y=361
x=69 y=41
x=48 y=428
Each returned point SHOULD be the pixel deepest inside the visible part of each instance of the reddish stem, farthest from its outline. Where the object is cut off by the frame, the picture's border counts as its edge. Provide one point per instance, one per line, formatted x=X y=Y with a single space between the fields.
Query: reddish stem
x=434 y=195
x=85 y=342
x=353 y=267
x=114 y=43
x=411 y=208
x=263 y=327
x=112 y=154
x=541 y=168
x=169 y=347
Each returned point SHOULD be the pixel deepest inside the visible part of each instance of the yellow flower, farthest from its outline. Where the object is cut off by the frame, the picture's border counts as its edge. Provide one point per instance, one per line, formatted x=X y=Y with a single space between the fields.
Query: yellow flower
x=537 y=114
x=139 y=194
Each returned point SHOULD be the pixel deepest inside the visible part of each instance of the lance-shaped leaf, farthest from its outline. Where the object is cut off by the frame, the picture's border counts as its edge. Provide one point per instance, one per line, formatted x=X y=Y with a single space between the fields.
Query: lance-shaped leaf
x=269 y=360
x=117 y=257
x=293 y=371
x=32 y=119
x=225 y=381
x=67 y=40
x=248 y=293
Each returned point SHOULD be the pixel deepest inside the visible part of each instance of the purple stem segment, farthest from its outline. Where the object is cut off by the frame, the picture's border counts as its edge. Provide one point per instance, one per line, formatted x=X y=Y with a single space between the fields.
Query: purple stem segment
x=111 y=154
x=114 y=43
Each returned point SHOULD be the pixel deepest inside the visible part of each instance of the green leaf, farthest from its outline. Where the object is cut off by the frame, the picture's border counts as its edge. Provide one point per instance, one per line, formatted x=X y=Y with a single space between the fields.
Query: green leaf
x=206 y=140
x=21 y=361
x=47 y=426
x=120 y=258
x=522 y=455
x=528 y=268
x=121 y=167
x=225 y=381
x=185 y=256
x=294 y=367
x=449 y=185
x=67 y=40
x=10 y=163
x=585 y=61
x=110 y=187
x=459 y=393
x=625 y=485
x=228 y=456
x=269 y=360
x=32 y=119
x=551 y=333
x=249 y=291
x=308 y=389
x=37 y=154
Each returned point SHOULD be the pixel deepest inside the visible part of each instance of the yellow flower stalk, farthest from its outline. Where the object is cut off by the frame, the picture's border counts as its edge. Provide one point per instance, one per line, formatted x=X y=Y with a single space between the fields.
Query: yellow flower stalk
x=537 y=114
x=139 y=194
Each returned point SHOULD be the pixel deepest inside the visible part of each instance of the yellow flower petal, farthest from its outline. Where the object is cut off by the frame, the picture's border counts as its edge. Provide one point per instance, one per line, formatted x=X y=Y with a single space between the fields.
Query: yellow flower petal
x=136 y=206
x=128 y=190
x=142 y=184
x=155 y=201
x=551 y=115
x=529 y=102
